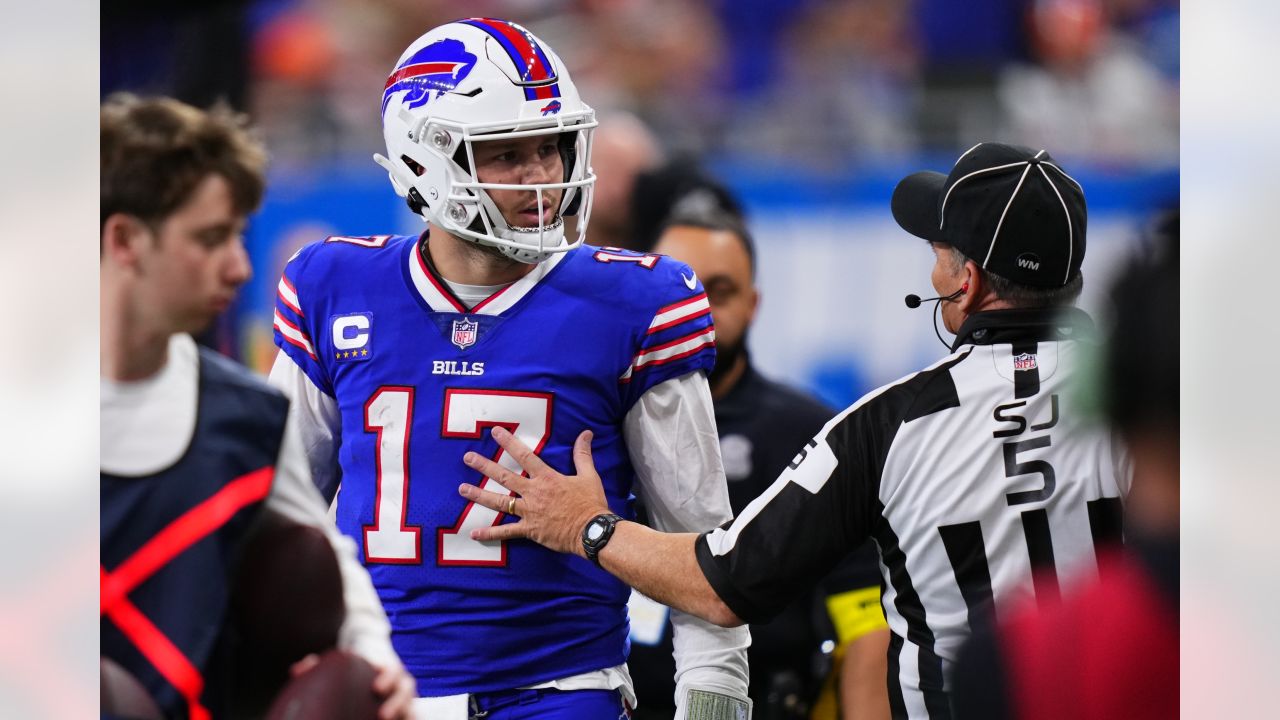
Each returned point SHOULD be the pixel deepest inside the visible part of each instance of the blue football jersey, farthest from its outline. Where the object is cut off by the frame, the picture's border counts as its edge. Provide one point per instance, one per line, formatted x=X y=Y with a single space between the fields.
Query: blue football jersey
x=419 y=380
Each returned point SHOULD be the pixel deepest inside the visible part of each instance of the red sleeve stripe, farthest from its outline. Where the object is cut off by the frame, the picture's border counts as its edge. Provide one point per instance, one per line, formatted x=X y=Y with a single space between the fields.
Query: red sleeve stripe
x=680 y=312
x=293 y=335
x=669 y=352
x=289 y=295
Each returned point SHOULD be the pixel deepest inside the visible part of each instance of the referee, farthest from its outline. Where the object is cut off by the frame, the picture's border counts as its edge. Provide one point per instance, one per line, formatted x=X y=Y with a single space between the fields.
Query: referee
x=977 y=477
x=761 y=423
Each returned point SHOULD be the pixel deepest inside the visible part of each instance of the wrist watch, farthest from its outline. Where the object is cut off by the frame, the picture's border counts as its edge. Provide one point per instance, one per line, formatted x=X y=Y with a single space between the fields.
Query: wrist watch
x=597 y=533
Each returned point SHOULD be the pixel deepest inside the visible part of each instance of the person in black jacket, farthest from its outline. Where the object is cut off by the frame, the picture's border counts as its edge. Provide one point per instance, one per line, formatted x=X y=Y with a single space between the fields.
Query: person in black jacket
x=761 y=425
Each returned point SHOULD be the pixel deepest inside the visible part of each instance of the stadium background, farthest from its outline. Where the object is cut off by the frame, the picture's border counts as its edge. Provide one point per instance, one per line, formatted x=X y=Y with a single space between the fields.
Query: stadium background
x=48 y=506
x=808 y=111
x=49 y=51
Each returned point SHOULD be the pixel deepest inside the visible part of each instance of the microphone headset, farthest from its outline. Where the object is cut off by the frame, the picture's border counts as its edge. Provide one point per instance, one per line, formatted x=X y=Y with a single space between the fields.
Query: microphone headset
x=913 y=301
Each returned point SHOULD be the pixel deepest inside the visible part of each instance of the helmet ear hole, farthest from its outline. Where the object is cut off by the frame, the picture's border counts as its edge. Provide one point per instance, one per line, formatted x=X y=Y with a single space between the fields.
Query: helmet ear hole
x=460 y=159
x=413 y=165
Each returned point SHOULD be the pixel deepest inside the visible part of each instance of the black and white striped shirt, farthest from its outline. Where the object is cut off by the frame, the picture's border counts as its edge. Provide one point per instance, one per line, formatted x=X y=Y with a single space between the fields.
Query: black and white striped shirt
x=969 y=475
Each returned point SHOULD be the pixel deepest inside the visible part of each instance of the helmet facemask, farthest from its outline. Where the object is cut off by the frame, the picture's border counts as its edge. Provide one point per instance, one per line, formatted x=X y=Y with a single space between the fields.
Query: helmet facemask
x=526 y=244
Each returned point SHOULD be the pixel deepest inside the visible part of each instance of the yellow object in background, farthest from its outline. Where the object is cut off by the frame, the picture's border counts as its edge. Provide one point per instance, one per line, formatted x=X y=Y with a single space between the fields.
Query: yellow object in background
x=854 y=614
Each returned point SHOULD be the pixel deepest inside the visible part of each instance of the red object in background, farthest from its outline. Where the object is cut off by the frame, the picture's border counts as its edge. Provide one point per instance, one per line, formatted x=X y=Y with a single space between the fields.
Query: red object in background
x=1066 y=32
x=1110 y=651
x=295 y=47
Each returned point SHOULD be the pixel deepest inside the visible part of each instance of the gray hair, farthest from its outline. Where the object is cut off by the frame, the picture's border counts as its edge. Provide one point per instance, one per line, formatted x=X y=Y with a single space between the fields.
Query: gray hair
x=1017 y=294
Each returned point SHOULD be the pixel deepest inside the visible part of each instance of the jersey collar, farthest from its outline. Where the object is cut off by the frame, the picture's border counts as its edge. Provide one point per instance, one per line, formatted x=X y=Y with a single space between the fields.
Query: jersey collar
x=435 y=292
x=997 y=327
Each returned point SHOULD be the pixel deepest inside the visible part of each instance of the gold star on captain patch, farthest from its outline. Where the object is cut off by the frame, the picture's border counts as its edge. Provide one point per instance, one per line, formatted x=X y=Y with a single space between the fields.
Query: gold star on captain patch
x=364 y=351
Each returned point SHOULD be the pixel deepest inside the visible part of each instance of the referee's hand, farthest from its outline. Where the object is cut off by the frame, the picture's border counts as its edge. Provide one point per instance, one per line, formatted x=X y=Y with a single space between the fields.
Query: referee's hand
x=553 y=508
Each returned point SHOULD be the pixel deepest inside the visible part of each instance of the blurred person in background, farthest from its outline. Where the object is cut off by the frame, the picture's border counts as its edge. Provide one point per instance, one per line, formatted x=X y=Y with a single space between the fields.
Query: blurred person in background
x=1109 y=649
x=1091 y=92
x=401 y=350
x=638 y=187
x=863 y=54
x=663 y=60
x=978 y=477
x=680 y=186
x=311 y=60
x=624 y=149
x=761 y=424
x=186 y=434
x=962 y=47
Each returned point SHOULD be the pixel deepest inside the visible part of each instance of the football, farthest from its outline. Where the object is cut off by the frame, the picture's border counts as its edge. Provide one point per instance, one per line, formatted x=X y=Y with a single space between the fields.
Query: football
x=287 y=596
x=286 y=603
x=338 y=687
x=122 y=696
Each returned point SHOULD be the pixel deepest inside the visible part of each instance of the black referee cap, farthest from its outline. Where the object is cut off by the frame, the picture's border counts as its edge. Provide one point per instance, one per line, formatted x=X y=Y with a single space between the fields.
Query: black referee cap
x=1011 y=209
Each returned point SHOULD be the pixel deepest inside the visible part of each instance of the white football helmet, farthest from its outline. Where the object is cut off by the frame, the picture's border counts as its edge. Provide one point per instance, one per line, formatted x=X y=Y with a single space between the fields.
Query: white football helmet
x=475 y=80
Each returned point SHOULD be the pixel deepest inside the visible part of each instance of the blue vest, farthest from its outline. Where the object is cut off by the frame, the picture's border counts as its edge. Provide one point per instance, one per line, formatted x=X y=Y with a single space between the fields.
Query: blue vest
x=239 y=429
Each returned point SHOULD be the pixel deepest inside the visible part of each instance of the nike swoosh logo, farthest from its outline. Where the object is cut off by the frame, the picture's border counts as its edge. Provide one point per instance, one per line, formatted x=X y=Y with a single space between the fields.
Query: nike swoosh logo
x=690 y=281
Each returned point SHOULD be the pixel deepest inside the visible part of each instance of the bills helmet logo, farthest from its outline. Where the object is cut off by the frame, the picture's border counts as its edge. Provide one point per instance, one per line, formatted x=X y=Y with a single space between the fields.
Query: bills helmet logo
x=551 y=108
x=430 y=72
x=465 y=333
x=1024 y=361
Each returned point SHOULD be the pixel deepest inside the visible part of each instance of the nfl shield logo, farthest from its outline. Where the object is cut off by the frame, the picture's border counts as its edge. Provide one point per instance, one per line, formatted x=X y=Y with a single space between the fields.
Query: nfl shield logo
x=464 y=333
x=1022 y=361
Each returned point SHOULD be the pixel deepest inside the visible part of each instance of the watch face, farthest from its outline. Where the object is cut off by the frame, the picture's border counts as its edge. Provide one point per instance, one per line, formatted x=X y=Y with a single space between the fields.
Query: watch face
x=594 y=531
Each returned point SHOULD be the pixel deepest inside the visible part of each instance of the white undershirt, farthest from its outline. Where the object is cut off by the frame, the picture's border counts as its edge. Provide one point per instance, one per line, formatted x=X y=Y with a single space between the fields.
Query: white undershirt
x=472 y=295
x=147 y=425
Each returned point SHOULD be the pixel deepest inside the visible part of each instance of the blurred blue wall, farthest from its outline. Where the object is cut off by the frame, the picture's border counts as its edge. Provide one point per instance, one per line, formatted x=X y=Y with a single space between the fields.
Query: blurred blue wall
x=833 y=266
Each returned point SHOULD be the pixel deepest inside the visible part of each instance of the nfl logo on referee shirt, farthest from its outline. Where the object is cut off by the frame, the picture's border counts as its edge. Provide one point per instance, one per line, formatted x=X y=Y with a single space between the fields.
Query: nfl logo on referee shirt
x=464 y=333
x=1024 y=361
x=352 y=336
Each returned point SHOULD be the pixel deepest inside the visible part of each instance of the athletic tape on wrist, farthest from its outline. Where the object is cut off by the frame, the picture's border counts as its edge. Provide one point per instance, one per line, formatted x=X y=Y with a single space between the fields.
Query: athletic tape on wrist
x=703 y=705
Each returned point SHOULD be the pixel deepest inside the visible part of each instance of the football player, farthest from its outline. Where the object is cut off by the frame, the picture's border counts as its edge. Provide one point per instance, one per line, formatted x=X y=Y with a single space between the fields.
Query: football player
x=405 y=350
